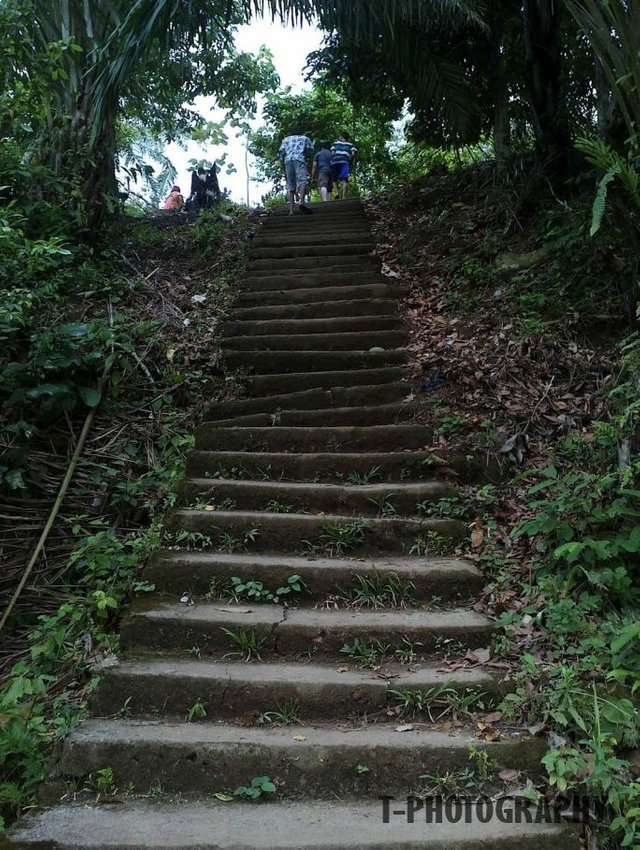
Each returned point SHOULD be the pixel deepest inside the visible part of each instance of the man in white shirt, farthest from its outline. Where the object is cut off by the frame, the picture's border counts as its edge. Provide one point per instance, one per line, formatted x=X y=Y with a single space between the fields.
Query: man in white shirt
x=293 y=154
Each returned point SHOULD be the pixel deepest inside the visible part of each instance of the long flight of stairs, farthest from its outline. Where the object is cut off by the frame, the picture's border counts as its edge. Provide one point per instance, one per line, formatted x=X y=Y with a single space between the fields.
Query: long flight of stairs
x=321 y=474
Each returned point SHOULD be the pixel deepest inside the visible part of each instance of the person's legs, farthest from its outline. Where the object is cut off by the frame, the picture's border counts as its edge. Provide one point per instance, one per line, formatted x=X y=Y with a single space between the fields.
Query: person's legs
x=324 y=182
x=343 y=176
x=290 y=174
x=302 y=181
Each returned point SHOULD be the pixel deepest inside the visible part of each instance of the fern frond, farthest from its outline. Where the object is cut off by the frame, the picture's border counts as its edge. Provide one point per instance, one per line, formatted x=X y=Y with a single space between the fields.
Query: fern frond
x=600 y=200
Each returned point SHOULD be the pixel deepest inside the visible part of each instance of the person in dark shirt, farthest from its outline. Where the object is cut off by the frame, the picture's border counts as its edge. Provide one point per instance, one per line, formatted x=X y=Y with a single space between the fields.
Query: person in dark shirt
x=343 y=160
x=322 y=169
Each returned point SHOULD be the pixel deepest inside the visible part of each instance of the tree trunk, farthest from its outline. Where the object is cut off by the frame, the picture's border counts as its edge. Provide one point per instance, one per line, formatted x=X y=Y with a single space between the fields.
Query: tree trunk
x=543 y=69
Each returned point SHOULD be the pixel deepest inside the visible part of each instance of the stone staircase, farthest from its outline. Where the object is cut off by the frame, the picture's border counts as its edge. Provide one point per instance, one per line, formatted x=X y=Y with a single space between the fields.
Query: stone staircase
x=321 y=474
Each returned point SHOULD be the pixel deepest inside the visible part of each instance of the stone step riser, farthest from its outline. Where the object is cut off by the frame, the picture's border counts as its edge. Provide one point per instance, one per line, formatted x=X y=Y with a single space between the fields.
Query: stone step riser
x=312 y=326
x=339 y=263
x=307 y=768
x=229 y=691
x=319 y=310
x=388 y=414
x=317 y=342
x=262 y=385
x=314 y=238
x=284 y=362
x=175 y=573
x=328 y=466
x=287 y=282
x=342 y=249
x=300 y=439
x=365 y=500
x=297 y=533
x=308 y=296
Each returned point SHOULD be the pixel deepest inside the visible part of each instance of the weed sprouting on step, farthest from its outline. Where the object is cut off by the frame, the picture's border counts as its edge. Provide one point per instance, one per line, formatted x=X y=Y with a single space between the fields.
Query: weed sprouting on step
x=275 y=506
x=231 y=542
x=256 y=591
x=237 y=472
x=429 y=543
x=211 y=504
x=369 y=477
x=379 y=590
x=288 y=712
x=362 y=652
x=258 y=787
x=188 y=540
x=197 y=711
x=385 y=506
x=340 y=537
x=103 y=781
x=441 y=701
x=453 y=507
x=248 y=644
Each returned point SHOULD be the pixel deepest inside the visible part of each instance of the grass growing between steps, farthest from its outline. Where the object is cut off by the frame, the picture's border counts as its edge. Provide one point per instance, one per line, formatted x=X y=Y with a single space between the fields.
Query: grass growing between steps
x=145 y=315
x=526 y=357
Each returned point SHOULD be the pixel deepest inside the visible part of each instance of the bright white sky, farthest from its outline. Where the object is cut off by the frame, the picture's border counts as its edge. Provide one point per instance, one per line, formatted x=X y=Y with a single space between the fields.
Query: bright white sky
x=290 y=47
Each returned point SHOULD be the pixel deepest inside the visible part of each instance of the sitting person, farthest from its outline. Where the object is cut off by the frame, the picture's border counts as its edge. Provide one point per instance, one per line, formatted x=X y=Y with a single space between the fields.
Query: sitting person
x=197 y=199
x=174 y=201
x=212 y=187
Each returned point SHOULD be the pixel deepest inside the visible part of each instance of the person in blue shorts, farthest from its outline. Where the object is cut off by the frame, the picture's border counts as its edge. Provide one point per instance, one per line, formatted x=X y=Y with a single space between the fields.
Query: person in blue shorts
x=343 y=160
x=294 y=151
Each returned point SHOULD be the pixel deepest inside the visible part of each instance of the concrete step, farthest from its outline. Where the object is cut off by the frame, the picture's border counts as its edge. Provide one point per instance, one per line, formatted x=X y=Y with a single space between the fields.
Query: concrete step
x=302 y=325
x=318 y=466
x=319 y=310
x=261 y=385
x=448 y=579
x=289 y=633
x=317 y=342
x=310 y=400
x=315 y=237
x=363 y=500
x=168 y=824
x=283 y=362
x=293 y=439
x=231 y=690
x=351 y=277
x=309 y=295
x=344 y=248
x=287 y=264
x=296 y=533
x=385 y=414
x=316 y=762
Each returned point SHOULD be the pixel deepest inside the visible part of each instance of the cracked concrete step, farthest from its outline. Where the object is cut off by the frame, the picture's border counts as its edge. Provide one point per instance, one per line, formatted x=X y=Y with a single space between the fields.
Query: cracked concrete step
x=327 y=236
x=340 y=261
x=340 y=249
x=154 y=626
x=357 y=341
x=312 y=326
x=319 y=310
x=326 y=825
x=320 y=466
x=352 y=277
x=364 y=500
x=385 y=414
x=309 y=761
x=292 y=439
x=333 y=266
x=281 y=362
x=309 y=400
x=294 y=533
x=177 y=571
x=263 y=385
x=328 y=293
x=231 y=690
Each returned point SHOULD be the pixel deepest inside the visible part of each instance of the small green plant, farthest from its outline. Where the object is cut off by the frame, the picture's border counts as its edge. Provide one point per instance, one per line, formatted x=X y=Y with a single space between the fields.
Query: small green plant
x=385 y=506
x=407 y=652
x=379 y=591
x=259 y=786
x=189 y=540
x=288 y=712
x=361 y=651
x=362 y=769
x=230 y=542
x=484 y=767
x=197 y=711
x=440 y=701
x=449 y=426
x=195 y=651
x=248 y=644
x=425 y=544
x=275 y=506
x=257 y=592
x=104 y=781
x=338 y=538
x=373 y=474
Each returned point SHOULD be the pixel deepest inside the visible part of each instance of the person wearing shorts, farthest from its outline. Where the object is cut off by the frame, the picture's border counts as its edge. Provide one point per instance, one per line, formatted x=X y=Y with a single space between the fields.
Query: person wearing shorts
x=322 y=168
x=293 y=154
x=343 y=159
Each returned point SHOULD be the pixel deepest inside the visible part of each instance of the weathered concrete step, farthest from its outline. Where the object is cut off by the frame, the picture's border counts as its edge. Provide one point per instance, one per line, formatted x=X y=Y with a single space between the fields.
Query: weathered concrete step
x=319 y=466
x=348 y=246
x=231 y=690
x=176 y=572
x=312 y=279
x=295 y=533
x=329 y=208
x=316 y=236
x=339 y=261
x=294 y=382
x=298 y=825
x=313 y=326
x=317 y=342
x=283 y=362
x=385 y=414
x=365 y=500
x=310 y=761
x=319 y=310
x=310 y=400
x=293 y=439
x=329 y=293
x=172 y=627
